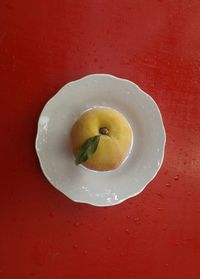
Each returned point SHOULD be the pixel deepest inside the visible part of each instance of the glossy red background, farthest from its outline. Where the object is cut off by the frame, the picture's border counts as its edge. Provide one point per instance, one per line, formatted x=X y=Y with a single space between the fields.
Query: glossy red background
x=47 y=43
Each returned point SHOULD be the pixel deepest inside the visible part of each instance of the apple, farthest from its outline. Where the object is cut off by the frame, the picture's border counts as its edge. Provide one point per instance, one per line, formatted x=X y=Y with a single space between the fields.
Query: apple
x=101 y=139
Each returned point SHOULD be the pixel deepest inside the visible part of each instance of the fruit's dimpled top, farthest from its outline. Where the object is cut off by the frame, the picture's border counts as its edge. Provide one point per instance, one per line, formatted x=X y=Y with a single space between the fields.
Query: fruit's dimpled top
x=112 y=148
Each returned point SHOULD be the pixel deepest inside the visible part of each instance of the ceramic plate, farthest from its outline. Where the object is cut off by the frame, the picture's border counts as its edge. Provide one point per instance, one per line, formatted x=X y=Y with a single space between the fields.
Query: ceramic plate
x=53 y=148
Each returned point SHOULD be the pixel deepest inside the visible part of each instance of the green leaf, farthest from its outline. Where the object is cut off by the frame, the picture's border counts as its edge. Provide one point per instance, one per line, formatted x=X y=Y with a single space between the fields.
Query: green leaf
x=87 y=149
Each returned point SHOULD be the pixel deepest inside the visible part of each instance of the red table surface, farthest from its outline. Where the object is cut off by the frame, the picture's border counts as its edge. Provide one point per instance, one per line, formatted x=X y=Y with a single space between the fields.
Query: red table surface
x=45 y=44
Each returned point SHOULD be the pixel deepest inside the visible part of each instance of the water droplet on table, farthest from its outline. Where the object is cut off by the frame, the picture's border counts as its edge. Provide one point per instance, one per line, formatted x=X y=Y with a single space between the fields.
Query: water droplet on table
x=176 y=177
x=76 y=224
x=127 y=231
x=160 y=195
x=75 y=246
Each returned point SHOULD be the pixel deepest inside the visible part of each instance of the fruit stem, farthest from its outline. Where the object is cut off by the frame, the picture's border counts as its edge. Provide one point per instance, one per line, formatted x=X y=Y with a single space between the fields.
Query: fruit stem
x=104 y=131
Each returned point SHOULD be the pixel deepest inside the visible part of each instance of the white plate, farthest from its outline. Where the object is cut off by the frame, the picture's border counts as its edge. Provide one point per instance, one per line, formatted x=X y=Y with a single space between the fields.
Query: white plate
x=53 y=149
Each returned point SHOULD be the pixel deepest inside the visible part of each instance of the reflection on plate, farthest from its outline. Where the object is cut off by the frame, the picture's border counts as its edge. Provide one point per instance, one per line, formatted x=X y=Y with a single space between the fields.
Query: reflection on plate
x=53 y=148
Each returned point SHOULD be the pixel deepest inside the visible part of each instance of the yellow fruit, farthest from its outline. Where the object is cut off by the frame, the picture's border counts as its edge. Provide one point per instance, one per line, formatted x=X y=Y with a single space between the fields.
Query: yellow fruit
x=115 y=137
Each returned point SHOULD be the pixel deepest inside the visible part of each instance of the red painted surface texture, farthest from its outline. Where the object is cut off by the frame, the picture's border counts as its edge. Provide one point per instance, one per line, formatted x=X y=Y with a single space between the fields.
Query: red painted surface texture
x=45 y=44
